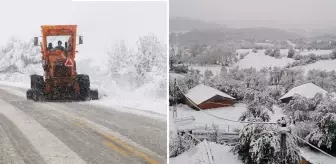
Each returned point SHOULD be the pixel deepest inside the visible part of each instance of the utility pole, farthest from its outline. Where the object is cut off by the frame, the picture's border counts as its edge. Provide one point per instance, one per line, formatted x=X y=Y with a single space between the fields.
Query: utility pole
x=283 y=142
x=174 y=99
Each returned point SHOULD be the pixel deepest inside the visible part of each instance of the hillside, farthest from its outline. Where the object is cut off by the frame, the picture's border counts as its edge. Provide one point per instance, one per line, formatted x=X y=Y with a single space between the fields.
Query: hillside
x=208 y=33
x=181 y=24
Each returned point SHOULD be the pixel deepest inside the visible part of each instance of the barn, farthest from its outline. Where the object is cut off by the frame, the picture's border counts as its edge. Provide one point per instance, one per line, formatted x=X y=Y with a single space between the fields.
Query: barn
x=206 y=97
x=307 y=90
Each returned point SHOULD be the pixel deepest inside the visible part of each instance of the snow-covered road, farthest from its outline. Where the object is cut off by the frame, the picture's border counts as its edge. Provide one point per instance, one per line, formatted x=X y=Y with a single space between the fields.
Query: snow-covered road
x=72 y=132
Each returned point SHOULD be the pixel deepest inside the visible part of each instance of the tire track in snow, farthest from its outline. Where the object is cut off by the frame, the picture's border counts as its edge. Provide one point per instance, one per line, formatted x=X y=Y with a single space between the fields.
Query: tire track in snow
x=8 y=153
x=50 y=147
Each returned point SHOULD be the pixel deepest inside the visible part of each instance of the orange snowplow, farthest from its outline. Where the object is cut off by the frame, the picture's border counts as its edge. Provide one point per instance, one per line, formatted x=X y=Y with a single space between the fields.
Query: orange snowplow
x=60 y=80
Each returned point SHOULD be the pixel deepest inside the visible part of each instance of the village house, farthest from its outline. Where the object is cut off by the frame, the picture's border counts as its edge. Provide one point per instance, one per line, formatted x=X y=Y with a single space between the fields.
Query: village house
x=308 y=90
x=206 y=97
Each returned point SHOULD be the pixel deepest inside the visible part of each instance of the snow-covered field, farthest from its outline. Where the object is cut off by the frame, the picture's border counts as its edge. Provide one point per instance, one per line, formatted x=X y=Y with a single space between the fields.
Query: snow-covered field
x=259 y=60
x=327 y=65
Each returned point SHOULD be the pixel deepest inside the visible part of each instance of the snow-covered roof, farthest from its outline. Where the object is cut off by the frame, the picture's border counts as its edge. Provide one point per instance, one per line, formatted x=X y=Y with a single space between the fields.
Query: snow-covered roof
x=307 y=90
x=201 y=93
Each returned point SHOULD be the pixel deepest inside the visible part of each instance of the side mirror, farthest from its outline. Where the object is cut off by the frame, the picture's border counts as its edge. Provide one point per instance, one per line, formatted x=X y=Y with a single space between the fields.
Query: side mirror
x=80 y=39
x=35 y=41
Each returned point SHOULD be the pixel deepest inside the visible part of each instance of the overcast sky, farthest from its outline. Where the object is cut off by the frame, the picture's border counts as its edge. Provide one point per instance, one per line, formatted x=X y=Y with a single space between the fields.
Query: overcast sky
x=101 y=23
x=282 y=13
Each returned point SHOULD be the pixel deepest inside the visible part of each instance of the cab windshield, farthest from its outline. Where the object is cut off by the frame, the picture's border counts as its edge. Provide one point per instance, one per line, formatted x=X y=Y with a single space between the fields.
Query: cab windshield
x=57 y=42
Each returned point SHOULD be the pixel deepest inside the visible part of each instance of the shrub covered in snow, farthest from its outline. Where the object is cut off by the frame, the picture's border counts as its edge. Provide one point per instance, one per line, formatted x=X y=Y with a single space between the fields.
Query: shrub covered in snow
x=179 y=144
x=333 y=54
x=268 y=51
x=291 y=53
x=298 y=56
x=254 y=50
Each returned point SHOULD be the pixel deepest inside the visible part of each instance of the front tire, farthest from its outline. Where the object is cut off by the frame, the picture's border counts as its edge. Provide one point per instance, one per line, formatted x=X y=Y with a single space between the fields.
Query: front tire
x=84 y=86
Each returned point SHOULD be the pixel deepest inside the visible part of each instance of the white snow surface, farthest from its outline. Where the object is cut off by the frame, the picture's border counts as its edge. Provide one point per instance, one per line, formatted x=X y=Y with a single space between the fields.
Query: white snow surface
x=201 y=93
x=307 y=90
x=203 y=119
x=316 y=157
x=259 y=60
x=198 y=155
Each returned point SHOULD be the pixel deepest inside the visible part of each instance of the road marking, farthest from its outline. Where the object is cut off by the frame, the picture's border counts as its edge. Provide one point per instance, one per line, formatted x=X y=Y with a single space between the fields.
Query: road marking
x=116 y=148
x=122 y=144
x=51 y=149
x=134 y=151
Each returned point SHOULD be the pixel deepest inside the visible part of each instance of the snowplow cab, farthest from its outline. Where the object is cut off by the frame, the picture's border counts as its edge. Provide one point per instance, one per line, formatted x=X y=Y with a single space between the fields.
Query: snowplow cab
x=60 y=80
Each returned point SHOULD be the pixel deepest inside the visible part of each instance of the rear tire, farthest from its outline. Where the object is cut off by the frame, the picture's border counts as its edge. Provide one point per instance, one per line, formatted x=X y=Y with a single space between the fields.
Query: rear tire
x=37 y=85
x=84 y=86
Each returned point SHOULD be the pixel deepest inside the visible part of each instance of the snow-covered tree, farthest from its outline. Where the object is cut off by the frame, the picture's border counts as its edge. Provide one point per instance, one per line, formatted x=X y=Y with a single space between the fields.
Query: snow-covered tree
x=324 y=134
x=150 y=54
x=207 y=76
x=119 y=60
x=255 y=111
x=298 y=108
x=192 y=78
x=260 y=144
x=292 y=78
